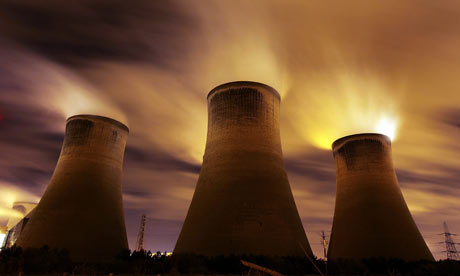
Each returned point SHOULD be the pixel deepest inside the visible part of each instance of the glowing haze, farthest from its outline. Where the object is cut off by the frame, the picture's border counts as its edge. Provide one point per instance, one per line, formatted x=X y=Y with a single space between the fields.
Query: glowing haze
x=389 y=67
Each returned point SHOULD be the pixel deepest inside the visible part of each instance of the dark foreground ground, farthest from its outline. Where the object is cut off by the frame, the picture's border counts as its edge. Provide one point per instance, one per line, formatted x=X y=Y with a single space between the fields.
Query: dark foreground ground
x=45 y=261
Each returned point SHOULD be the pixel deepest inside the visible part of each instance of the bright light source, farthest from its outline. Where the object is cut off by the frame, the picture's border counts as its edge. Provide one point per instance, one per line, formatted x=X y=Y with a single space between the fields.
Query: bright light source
x=2 y=238
x=387 y=127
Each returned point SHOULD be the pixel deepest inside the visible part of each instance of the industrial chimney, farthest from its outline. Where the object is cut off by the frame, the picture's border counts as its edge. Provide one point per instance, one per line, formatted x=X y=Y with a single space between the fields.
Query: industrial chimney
x=243 y=204
x=371 y=218
x=82 y=209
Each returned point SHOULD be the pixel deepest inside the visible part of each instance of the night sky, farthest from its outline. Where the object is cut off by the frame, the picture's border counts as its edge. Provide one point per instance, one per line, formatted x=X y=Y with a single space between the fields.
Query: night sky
x=341 y=68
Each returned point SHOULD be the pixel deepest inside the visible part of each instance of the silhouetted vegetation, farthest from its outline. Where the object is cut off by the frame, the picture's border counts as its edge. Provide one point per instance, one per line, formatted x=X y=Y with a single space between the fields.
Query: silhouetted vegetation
x=195 y=264
x=52 y=261
x=33 y=261
x=46 y=261
x=381 y=266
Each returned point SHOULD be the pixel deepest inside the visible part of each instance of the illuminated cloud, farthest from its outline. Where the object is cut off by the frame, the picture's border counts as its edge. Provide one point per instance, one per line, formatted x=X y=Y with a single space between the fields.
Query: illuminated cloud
x=8 y=195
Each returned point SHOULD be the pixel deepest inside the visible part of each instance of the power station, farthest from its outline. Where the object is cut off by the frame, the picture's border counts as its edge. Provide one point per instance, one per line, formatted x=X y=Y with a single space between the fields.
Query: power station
x=23 y=208
x=17 y=224
x=243 y=204
x=371 y=218
x=81 y=209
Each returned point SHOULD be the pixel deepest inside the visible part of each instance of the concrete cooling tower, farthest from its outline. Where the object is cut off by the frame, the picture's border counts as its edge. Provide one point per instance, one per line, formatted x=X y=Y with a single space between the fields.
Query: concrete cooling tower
x=371 y=218
x=243 y=204
x=82 y=208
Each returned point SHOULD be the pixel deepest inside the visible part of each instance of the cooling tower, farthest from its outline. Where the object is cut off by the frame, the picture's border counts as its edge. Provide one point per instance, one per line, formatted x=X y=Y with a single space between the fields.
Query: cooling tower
x=243 y=204
x=82 y=208
x=371 y=218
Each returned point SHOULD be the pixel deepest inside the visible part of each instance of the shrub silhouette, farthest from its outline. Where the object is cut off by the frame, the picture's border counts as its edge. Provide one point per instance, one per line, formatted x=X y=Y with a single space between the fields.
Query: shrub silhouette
x=47 y=261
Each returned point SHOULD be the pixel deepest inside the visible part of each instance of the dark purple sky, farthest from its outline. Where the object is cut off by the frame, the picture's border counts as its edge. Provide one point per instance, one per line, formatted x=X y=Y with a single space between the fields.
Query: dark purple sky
x=341 y=68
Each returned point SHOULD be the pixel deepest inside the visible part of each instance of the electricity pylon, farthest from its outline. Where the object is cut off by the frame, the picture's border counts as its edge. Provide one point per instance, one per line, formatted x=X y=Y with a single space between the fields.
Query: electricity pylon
x=140 y=236
x=451 y=250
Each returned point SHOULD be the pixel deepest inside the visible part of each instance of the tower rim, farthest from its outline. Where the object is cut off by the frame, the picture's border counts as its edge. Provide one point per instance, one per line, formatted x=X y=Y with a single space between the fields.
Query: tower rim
x=99 y=117
x=244 y=83
x=339 y=142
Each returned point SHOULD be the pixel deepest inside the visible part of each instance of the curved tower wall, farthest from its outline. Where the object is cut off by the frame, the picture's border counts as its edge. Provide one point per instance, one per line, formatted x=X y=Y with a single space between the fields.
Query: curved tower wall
x=243 y=204
x=371 y=218
x=81 y=209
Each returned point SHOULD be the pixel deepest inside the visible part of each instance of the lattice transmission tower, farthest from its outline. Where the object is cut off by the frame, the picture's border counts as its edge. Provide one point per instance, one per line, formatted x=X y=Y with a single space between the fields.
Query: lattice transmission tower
x=140 y=236
x=324 y=243
x=451 y=250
